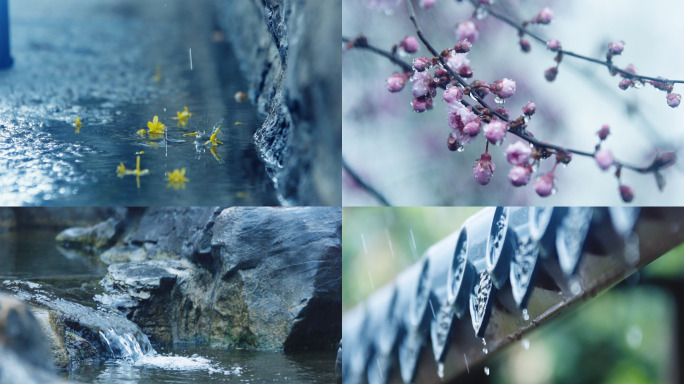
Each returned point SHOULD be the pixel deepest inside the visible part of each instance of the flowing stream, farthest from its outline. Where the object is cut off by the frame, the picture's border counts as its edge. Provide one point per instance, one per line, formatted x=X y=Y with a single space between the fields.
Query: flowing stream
x=35 y=270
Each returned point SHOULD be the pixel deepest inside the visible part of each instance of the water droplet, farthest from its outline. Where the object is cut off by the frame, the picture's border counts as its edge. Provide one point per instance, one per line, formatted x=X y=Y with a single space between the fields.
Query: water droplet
x=486 y=371
x=554 y=190
x=481 y=13
x=525 y=315
x=440 y=370
x=638 y=84
x=632 y=254
x=634 y=336
x=485 y=351
x=498 y=100
x=461 y=148
x=164 y=109
x=525 y=344
x=575 y=286
x=527 y=119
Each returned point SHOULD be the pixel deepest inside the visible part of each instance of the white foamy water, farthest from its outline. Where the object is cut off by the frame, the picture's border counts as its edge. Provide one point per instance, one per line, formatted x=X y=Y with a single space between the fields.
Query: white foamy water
x=184 y=363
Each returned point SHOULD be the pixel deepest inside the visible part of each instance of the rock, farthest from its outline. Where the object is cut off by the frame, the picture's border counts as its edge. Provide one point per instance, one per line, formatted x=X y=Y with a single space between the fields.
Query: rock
x=24 y=352
x=95 y=237
x=280 y=44
x=123 y=253
x=265 y=278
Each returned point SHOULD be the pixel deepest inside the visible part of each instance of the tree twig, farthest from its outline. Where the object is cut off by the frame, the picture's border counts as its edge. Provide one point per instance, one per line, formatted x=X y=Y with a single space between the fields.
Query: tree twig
x=363 y=184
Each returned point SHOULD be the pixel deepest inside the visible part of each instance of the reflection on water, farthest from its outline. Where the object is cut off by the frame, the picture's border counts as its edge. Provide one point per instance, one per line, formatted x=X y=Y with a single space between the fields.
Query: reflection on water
x=33 y=255
x=206 y=365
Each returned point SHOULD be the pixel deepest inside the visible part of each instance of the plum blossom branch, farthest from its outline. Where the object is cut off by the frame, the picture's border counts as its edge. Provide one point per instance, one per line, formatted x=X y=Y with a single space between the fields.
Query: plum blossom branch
x=363 y=184
x=615 y=48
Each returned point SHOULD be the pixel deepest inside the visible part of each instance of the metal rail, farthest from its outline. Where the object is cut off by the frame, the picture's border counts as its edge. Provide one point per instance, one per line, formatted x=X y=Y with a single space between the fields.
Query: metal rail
x=505 y=272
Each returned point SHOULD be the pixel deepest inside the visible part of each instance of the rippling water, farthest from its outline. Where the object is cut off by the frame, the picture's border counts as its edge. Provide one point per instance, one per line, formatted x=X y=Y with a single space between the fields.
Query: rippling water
x=100 y=61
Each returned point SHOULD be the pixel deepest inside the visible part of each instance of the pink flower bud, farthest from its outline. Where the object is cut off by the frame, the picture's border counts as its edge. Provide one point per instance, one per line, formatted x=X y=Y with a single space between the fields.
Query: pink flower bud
x=453 y=95
x=525 y=45
x=472 y=128
x=495 y=131
x=409 y=44
x=421 y=63
x=503 y=88
x=427 y=3
x=626 y=193
x=630 y=69
x=463 y=46
x=551 y=73
x=529 y=109
x=395 y=83
x=604 y=132
x=545 y=16
x=616 y=47
x=663 y=85
x=553 y=45
x=467 y=30
x=604 y=159
x=484 y=169
x=421 y=83
x=421 y=104
x=624 y=84
x=452 y=144
x=465 y=72
x=544 y=185
x=503 y=111
x=673 y=99
x=518 y=153
x=520 y=175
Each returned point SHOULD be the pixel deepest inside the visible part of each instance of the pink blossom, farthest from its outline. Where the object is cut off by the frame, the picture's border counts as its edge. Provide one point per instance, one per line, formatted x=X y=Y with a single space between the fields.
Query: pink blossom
x=453 y=95
x=626 y=193
x=673 y=99
x=525 y=45
x=604 y=159
x=545 y=16
x=409 y=44
x=382 y=5
x=630 y=69
x=463 y=46
x=551 y=73
x=472 y=128
x=427 y=3
x=465 y=72
x=529 y=109
x=624 y=84
x=495 y=131
x=456 y=61
x=395 y=83
x=553 y=45
x=467 y=30
x=604 y=132
x=421 y=83
x=503 y=88
x=518 y=153
x=462 y=139
x=616 y=47
x=544 y=185
x=484 y=169
x=421 y=104
x=421 y=63
x=520 y=175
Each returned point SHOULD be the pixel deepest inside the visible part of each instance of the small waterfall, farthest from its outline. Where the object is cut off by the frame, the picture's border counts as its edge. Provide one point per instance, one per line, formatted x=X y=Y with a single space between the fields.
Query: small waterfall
x=125 y=345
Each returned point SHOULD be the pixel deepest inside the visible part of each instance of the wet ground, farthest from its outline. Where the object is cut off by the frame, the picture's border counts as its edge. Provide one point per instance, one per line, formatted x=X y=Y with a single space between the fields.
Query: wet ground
x=32 y=256
x=116 y=65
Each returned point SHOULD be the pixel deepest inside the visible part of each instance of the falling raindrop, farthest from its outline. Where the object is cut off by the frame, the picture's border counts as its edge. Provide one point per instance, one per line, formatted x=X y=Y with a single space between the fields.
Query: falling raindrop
x=486 y=371
x=634 y=336
x=466 y=361
x=484 y=343
x=440 y=370
x=389 y=241
x=632 y=255
x=433 y=309
x=377 y=360
x=363 y=240
x=525 y=315
x=525 y=344
x=575 y=286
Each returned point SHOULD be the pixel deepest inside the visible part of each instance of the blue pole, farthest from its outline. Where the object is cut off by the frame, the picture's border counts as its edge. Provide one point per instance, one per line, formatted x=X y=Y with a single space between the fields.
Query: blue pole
x=5 y=59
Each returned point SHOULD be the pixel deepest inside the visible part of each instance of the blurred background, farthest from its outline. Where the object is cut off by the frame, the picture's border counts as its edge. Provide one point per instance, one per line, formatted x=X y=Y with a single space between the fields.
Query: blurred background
x=404 y=156
x=628 y=334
